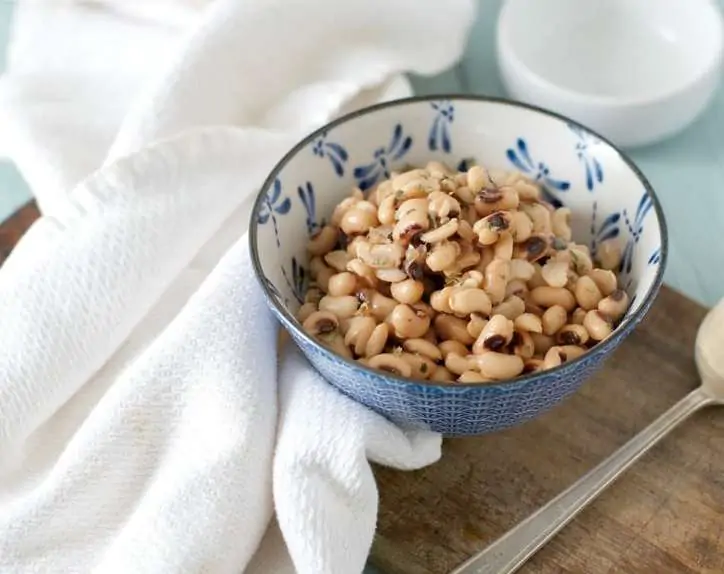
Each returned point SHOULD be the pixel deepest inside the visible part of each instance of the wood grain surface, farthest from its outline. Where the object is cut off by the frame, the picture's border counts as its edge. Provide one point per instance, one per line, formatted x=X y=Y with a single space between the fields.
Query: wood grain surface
x=665 y=516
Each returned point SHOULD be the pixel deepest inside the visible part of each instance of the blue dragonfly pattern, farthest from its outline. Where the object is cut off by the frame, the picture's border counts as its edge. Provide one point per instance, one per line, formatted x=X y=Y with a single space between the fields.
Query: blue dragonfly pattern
x=608 y=228
x=306 y=195
x=520 y=157
x=594 y=170
x=275 y=203
x=439 y=136
x=369 y=174
x=655 y=256
x=296 y=280
x=635 y=229
x=336 y=153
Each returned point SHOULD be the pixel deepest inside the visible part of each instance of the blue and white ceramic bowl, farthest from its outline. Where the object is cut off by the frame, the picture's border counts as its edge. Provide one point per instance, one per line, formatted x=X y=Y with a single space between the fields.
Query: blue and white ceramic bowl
x=608 y=195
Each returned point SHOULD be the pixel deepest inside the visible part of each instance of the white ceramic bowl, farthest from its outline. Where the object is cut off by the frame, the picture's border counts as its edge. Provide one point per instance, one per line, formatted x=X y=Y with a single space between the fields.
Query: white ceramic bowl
x=608 y=196
x=636 y=71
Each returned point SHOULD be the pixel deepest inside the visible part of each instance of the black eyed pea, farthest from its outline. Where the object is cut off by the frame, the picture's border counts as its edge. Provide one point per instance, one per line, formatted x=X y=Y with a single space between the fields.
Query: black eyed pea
x=494 y=199
x=473 y=377
x=452 y=346
x=386 y=211
x=503 y=248
x=496 y=334
x=478 y=178
x=381 y=256
x=321 y=323
x=377 y=341
x=540 y=217
x=469 y=257
x=523 y=344
x=356 y=221
x=342 y=284
x=535 y=248
x=381 y=192
x=458 y=364
x=511 y=307
x=410 y=226
x=605 y=280
x=441 y=233
x=305 y=311
x=597 y=325
x=561 y=223
x=407 y=208
x=441 y=374
x=499 y=366
x=417 y=188
x=522 y=269
x=358 y=333
x=570 y=352
x=440 y=300
x=614 y=306
x=527 y=191
x=528 y=322
x=465 y=231
x=521 y=227
x=466 y=195
x=363 y=271
x=399 y=181
x=553 y=319
x=577 y=316
x=531 y=307
x=422 y=347
x=561 y=354
x=497 y=275
x=547 y=296
x=344 y=306
x=422 y=367
x=587 y=293
x=555 y=273
x=516 y=287
x=449 y=327
x=580 y=259
x=442 y=256
x=338 y=259
x=442 y=205
x=378 y=305
x=608 y=254
x=391 y=275
x=533 y=365
x=476 y=324
x=390 y=363
x=552 y=358
x=407 y=291
x=472 y=279
x=463 y=302
x=542 y=343
x=408 y=323
x=422 y=307
x=438 y=169
x=489 y=228
x=572 y=334
x=323 y=241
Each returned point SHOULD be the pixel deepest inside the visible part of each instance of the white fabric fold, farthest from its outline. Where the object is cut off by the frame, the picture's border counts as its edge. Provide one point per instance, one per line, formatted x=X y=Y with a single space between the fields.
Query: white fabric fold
x=145 y=425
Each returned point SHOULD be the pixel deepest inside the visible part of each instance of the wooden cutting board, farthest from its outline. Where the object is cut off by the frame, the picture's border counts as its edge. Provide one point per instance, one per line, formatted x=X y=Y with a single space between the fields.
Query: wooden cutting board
x=665 y=516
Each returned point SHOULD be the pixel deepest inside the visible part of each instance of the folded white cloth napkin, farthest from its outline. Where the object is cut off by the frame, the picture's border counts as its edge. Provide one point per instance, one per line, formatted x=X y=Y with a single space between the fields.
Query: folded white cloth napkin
x=146 y=424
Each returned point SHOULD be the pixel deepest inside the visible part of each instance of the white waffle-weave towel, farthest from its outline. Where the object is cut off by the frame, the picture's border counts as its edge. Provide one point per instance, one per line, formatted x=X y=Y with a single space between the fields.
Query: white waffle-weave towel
x=146 y=425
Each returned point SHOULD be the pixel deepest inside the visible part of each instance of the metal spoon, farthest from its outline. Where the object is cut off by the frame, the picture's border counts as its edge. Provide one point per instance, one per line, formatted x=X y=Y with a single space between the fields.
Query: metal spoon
x=514 y=548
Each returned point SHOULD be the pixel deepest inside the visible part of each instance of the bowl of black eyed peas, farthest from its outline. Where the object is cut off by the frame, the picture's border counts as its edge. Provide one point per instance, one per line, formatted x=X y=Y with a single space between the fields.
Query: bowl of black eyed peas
x=458 y=264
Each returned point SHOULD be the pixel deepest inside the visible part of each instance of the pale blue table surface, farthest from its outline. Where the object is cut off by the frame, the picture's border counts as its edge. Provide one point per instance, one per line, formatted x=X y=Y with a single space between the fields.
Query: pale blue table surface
x=687 y=171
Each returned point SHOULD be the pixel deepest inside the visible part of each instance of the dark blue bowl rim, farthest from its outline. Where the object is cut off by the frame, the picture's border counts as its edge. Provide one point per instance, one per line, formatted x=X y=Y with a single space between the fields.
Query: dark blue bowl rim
x=605 y=347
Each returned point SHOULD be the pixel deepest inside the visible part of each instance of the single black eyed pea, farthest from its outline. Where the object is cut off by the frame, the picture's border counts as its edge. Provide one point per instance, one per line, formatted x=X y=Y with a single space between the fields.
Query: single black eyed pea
x=533 y=365
x=344 y=306
x=473 y=377
x=540 y=217
x=408 y=291
x=386 y=211
x=542 y=343
x=422 y=366
x=358 y=333
x=522 y=269
x=496 y=334
x=597 y=325
x=615 y=305
x=494 y=199
x=476 y=324
x=453 y=328
x=511 y=307
x=572 y=334
x=440 y=300
x=441 y=374
x=527 y=191
x=463 y=302
x=577 y=316
x=399 y=181
x=521 y=227
x=442 y=205
x=381 y=255
x=338 y=259
x=442 y=256
x=499 y=366
x=555 y=273
x=377 y=304
x=409 y=226
x=580 y=258
x=497 y=275
x=605 y=280
x=472 y=279
x=587 y=293
x=441 y=233
x=321 y=323
x=523 y=344
x=452 y=346
x=342 y=284
x=503 y=248
x=478 y=178
x=363 y=271
x=489 y=228
x=561 y=223
x=305 y=311
x=390 y=363
x=377 y=341
x=528 y=322
x=356 y=221
x=561 y=354
x=323 y=241
x=422 y=347
x=552 y=358
x=457 y=364
x=465 y=194
x=553 y=319
x=391 y=275
x=535 y=248
x=547 y=296
x=408 y=323
x=608 y=254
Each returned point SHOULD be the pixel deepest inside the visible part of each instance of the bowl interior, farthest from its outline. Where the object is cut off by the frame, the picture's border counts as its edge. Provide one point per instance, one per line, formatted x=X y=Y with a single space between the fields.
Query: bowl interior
x=614 y=48
x=608 y=197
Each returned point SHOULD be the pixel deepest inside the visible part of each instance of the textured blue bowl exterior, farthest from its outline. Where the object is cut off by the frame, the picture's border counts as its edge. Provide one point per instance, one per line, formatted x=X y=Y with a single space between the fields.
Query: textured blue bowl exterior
x=582 y=170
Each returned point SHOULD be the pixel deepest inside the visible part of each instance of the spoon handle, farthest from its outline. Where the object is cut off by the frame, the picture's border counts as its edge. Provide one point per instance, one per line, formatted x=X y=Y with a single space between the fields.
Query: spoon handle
x=514 y=548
